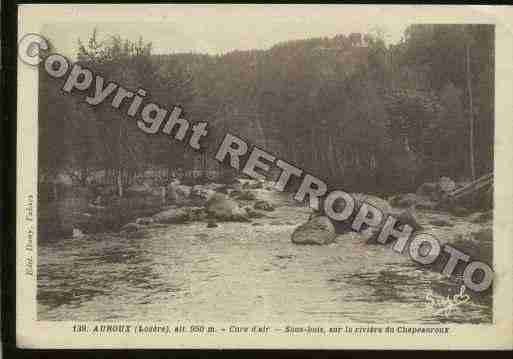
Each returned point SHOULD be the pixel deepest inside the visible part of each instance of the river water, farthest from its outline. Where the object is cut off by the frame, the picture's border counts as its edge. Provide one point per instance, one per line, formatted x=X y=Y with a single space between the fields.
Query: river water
x=239 y=272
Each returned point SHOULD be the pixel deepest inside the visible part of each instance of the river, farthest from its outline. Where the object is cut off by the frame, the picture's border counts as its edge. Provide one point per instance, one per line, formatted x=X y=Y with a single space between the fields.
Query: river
x=241 y=272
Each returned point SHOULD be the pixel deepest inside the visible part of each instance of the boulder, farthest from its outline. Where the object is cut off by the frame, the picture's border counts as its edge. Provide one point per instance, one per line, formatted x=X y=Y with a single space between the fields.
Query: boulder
x=178 y=193
x=212 y=224
x=137 y=234
x=201 y=193
x=224 y=190
x=196 y=213
x=158 y=191
x=404 y=217
x=175 y=181
x=263 y=206
x=77 y=233
x=98 y=201
x=413 y=200
x=252 y=184
x=404 y=200
x=429 y=190
x=223 y=208
x=426 y=205
x=318 y=230
x=233 y=193
x=254 y=214
x=446 y=185
x=481 y=217
x=434 y=191
x=440 y=222
x=479 y=245
x=409 y=217
x=107 y=190
x=243 y=195
x=374 y=201
x=484 y=235
x=144 y=221
x=484 y=200
x=171 y=192
x=459 y=211
x=359 y=198
x=235 y=186
x=130 y=227
x=213 y=186
x=184 y=190
x=172 y=215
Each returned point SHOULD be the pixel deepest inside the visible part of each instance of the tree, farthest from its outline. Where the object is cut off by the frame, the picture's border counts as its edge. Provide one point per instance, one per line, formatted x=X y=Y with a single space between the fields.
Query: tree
x=129 y=64
x=462 y=55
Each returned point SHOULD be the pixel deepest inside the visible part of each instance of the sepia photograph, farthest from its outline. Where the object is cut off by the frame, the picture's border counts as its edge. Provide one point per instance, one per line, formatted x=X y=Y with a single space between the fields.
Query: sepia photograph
x=262 y=170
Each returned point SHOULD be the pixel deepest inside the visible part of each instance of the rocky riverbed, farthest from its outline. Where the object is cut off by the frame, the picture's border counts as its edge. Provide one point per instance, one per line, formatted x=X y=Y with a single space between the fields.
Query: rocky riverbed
x=199 y=264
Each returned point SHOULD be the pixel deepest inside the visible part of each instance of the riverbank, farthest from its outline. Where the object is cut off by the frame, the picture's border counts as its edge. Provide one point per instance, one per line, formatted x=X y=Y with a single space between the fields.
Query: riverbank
x=250 y=270
x=192 y=269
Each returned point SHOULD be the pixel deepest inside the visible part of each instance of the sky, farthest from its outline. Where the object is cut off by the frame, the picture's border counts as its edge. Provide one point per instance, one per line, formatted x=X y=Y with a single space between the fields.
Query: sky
x=217 y=29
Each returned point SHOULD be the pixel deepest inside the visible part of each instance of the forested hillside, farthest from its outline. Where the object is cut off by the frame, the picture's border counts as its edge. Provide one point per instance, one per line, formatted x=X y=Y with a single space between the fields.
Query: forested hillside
x=358 y=113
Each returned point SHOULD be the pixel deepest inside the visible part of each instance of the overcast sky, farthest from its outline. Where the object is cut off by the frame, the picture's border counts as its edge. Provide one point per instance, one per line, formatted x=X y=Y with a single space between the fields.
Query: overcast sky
x=216 y=29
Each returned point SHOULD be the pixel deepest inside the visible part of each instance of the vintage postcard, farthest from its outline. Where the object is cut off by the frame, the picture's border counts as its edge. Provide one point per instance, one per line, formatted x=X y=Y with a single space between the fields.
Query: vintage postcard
x=264 y=176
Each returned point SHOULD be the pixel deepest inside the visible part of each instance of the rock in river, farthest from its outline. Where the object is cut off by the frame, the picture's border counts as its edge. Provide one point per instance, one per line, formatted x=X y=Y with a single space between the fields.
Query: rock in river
x=405 y=217
x=318 y=230
x=480 y=217
x=479 y=245
x=243 y=195
x=440 y=222
x=253 y=214
x=459 y=211
x=130 y=227
x=342 y=227
x=145 y=221
x=178 y=193
x=408 y=217
x=417 y=201
x=374 y=201
x=202 y=193
x=223 y=208
x=212 y=224
x=429 y=190
x=263 y=206
x=172 y=215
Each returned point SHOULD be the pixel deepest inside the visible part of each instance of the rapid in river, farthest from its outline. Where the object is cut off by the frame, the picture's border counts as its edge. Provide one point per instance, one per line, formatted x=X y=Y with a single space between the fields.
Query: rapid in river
x=243 y=272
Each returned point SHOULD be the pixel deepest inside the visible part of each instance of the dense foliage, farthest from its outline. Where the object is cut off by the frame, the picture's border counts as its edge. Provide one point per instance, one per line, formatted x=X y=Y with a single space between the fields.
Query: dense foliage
x=361 y=115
